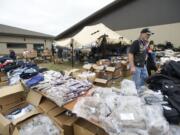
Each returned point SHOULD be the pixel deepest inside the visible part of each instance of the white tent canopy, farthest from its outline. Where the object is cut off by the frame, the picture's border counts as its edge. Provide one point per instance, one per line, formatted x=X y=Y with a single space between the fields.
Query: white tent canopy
x=64 y=43
x=89 y=35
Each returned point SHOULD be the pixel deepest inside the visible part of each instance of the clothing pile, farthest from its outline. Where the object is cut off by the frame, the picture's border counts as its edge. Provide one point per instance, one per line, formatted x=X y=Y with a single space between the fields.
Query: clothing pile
x=5 y=63
x=4 y=58
x=11 y=65
x=163 y=60
x=24 y=71
x=39 y=125
x=168 y=82
x=124 y=113
x=167 y=55
x=61 y=88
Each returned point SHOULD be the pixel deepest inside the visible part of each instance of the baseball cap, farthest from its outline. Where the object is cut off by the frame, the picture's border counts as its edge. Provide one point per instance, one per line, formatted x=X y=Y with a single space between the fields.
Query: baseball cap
x=146 y=30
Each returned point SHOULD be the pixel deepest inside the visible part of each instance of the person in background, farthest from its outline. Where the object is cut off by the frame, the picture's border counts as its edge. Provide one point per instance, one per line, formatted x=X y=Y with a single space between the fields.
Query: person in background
x=53 y=50
x=12 y=54
x=151 y=58
x=137 y=58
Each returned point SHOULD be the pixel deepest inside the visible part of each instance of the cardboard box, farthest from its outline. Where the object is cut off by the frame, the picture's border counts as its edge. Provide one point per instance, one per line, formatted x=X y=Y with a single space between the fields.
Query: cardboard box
x=110 y=69
x=4 y=125
x=10 y=96
x=56 y=113
x=103 y=82
x=97 y=68
x=46 y=53
x=104 y=75
x=5 y=83
x=103 y=62
x=57 y=61
x=84 y=127
x=117 y=73
x=118 y=65
x=66 y=122
x=16 y=130
x=9 y=126
x=46 y=106
x=87 y=66
x=31 y=54
x=126 y=73
x=125 y=65
x=3 y=77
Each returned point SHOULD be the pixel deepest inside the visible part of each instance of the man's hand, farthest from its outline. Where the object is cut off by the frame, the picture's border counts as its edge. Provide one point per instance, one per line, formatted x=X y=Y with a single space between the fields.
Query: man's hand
x=133 y=69
x=131 y=62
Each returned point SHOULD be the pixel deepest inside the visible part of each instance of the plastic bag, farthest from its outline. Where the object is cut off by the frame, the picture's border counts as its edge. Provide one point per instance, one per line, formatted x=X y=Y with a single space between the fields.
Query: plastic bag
x=128 y=88
x=39 y=125
x=134 y=131
x=174 y=130
x=110 y=97
x=102 y=102
x=150 y=97
x=91 y=108
x=129 y=114
x=155 y=121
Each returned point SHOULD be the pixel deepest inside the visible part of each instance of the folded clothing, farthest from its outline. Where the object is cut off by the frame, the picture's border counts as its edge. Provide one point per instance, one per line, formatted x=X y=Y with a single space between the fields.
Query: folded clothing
x=28 y=73
x=35 y=80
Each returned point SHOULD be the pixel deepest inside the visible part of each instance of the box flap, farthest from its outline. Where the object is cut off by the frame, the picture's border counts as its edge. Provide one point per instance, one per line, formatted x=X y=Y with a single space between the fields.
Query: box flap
x=3 y=121
x=98 y=67
x=63 y=119
x=78 y=130
x=26 y=116
x=46 y=105
x=2 y=84
x=71 y=121
x=15 y=132
x=87 y=66
x=82 y=127
x=4 y=78
x=99 y=80
x=9 y=90
x=18 y=97
x=4 y=125
x=110 y=69
x=56 y=111
x=8 y=109
x=34 y=98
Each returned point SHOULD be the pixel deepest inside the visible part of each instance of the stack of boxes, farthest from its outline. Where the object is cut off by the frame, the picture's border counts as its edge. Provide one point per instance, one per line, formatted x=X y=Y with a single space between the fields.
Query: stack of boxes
x=47 y=54
x=30 y=54
x=106 y=71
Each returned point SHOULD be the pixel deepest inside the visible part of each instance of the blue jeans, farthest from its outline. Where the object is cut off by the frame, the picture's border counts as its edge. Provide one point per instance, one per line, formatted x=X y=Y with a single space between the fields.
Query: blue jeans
x=140 y=76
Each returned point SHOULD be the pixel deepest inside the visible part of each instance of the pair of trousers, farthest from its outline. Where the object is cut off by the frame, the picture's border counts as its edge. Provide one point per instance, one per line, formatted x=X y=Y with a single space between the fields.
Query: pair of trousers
x=140 y=76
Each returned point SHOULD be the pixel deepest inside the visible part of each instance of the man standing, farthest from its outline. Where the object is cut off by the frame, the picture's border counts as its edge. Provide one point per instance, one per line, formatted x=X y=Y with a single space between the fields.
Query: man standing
x=137 y=58
x=12 y=54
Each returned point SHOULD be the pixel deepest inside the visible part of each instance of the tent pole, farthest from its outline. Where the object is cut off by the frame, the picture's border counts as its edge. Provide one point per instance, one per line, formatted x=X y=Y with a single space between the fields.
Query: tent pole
x=72 y=54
